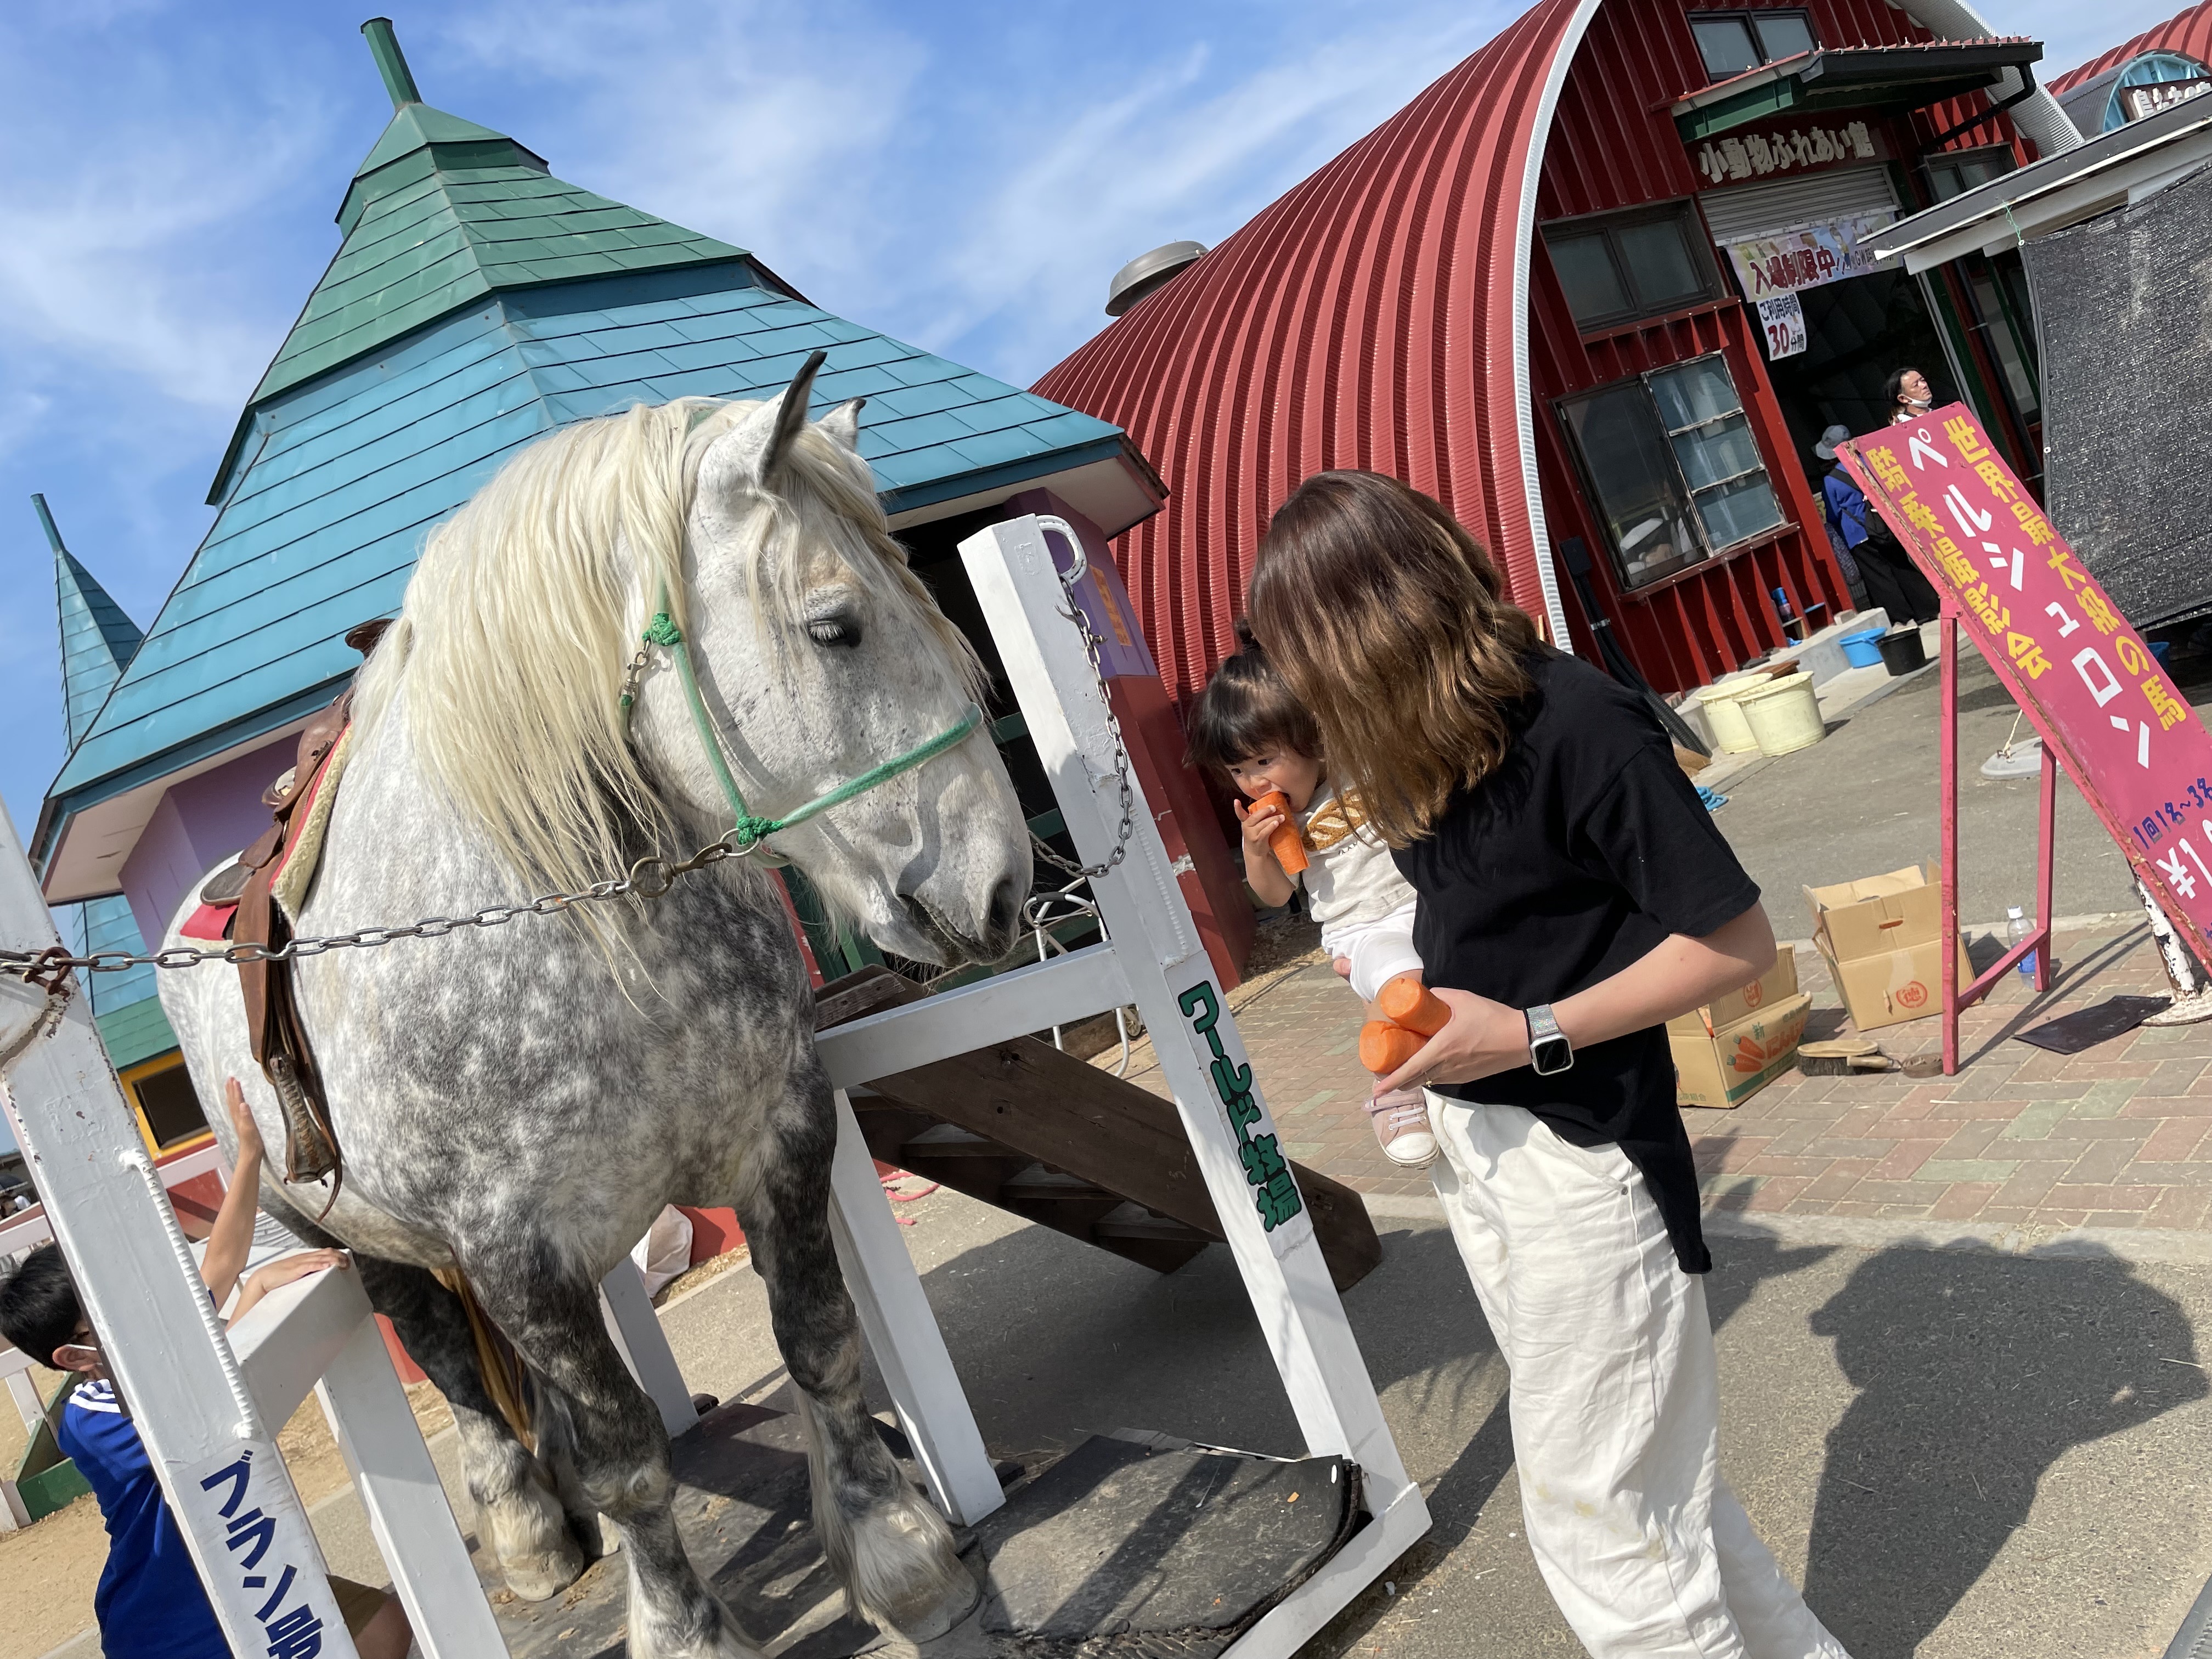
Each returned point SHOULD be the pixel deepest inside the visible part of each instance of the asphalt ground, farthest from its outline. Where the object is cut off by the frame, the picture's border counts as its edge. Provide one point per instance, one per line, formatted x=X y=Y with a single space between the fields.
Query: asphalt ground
x=1959 y=1453
x=1865 y=800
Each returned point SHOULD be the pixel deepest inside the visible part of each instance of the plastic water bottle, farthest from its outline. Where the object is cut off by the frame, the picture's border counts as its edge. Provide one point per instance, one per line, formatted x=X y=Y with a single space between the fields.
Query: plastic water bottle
x=1784 y=614
x=2018 y=926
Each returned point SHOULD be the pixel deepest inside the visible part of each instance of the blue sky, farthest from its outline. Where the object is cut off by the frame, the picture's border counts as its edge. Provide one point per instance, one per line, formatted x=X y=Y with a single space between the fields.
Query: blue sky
x=963 y=176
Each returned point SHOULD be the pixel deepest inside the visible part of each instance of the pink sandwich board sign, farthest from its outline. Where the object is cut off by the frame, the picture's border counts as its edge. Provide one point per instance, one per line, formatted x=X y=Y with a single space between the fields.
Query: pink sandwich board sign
x=2084 y=678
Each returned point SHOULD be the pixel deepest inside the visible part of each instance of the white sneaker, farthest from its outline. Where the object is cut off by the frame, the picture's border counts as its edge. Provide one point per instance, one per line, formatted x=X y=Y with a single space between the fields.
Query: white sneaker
x=1401 y=1128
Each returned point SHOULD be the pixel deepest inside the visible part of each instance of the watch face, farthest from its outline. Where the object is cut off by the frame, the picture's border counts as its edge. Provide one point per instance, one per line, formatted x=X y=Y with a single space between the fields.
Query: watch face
x=1551 y=1055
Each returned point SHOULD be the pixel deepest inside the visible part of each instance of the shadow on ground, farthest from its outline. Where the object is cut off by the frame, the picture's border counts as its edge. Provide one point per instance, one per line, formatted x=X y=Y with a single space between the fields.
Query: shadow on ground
x=1974 y=1374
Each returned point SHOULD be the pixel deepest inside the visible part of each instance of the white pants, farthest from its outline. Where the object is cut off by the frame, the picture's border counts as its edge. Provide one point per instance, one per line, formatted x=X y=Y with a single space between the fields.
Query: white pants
x=1379 y=951
x=1615 y=1405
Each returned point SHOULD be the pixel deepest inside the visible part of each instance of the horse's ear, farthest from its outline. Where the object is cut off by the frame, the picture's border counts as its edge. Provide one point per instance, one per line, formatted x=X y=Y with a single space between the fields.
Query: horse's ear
x=791 y=415
x=843 y=423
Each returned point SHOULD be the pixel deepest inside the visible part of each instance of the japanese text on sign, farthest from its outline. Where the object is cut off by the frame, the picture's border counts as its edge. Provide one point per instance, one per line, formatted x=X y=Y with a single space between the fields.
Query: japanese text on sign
x=1782 y=320
x=268 y=1569
x=1266 y=1169
x=1795 y=259
x=2133 y=746
x=1758 y=155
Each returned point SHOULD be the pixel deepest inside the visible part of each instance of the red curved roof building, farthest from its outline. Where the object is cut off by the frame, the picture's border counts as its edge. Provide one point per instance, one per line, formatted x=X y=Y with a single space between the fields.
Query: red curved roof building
x=1531 y=294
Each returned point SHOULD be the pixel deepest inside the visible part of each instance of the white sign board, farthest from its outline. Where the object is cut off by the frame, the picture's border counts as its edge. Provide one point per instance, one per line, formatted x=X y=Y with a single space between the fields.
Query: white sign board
x=270 y=1570
x=1783 y=317
x=1788 y=260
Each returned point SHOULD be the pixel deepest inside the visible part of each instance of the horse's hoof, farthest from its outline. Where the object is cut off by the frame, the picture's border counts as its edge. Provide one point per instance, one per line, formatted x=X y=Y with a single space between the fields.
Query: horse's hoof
x=959 y=1600
x=541 y=1578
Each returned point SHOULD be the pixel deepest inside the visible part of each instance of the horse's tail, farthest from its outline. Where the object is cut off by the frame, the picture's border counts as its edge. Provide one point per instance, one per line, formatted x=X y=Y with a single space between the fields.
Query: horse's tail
x=506 y=1378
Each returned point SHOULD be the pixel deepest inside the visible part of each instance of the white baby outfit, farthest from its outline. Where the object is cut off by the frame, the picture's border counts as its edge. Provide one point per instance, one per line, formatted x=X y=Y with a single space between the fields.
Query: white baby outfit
x=1364 y=907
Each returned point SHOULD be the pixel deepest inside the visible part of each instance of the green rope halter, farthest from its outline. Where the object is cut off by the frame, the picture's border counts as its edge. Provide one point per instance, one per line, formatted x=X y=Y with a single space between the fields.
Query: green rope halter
x=751 y=830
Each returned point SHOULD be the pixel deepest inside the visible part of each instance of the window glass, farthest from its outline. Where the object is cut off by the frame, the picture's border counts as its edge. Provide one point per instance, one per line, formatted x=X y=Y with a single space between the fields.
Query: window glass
x=1659 y=263
x=1726 y=45
x=1782 y=35
x=2151 y=69
x=1738 y=510
x=1695 y=391
x=1713 y=445
x=1587 y=274
x=1634 y=485
x=1949 y=175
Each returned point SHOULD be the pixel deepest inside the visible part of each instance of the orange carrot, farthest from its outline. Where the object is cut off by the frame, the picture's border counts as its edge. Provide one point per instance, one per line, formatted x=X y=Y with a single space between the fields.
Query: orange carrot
x=1384 y=1048
x=1405 y=1001
x=1289 y=848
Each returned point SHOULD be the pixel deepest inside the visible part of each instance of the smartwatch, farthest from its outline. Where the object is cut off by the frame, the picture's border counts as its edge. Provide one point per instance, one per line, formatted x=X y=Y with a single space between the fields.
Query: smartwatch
x=1549 y=1051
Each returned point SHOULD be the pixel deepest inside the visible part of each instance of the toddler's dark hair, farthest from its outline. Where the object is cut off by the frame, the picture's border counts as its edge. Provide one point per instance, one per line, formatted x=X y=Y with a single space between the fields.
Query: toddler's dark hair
x=39 y=1307
x=1247 y=710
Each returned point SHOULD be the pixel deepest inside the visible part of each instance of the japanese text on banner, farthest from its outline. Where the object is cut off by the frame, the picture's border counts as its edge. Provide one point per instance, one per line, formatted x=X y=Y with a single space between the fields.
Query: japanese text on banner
x=2133 y=746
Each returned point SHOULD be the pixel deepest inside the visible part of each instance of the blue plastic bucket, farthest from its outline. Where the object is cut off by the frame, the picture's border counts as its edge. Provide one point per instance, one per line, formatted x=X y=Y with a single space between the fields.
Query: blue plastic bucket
x=1862 y=650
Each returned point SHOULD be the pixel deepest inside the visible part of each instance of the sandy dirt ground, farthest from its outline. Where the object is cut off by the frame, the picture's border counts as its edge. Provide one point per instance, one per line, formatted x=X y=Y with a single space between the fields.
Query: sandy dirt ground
x=60 y=1557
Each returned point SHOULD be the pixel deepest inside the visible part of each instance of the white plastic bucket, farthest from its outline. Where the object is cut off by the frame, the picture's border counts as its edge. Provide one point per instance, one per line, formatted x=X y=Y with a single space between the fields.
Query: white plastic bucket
x=1784 y=714
x=1731 y=731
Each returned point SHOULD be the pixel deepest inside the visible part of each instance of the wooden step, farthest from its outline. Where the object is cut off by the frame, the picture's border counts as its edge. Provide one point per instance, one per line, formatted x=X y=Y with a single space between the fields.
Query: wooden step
x=1066 y=1203
x=1045 y=1108
x=1156 y=1242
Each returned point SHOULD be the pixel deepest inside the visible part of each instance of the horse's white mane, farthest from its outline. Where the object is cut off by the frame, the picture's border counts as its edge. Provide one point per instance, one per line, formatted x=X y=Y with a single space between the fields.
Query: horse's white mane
x=526 y=607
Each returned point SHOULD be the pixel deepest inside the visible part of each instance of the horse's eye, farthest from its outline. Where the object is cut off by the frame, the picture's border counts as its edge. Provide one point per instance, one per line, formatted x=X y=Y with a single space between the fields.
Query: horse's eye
x=840 y=629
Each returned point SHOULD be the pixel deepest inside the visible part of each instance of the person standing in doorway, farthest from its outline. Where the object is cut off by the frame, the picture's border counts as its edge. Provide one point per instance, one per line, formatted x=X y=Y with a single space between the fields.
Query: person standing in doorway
x=1893 y=582
x=1573 y=896
x=1909 y=394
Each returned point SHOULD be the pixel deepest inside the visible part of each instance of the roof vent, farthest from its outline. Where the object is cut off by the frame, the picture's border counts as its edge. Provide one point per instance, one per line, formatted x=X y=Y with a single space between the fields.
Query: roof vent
x=1148 y=271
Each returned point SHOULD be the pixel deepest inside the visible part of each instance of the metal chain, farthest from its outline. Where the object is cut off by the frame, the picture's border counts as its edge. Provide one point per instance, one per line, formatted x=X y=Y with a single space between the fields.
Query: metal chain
x=1091 y=646
x=648 y=879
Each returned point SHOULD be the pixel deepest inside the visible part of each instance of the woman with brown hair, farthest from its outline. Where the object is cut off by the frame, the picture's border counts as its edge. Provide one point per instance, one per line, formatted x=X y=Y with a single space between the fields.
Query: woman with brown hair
x=1574 y=895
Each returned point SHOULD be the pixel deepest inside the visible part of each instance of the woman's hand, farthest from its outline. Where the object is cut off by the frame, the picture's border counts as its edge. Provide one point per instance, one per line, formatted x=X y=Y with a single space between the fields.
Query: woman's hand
x=241 y=1121
x=1482 y=1039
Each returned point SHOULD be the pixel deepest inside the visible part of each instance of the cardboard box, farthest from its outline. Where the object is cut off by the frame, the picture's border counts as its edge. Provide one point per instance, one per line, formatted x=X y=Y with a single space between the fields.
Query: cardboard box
x=1881 y=938
x=1777 y=984
x=1733 y=1063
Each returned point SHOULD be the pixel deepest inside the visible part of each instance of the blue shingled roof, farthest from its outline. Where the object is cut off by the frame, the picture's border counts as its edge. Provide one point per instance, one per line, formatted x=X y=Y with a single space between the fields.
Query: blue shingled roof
x=332 y=481
x=97 y=638
x=339 y=480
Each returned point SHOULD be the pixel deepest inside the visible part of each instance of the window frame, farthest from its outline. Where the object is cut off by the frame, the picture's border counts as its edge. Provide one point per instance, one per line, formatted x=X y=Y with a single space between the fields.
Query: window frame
x=1682 y=211
x=1749 y=16
x=1709 y=551
x=1954 y=158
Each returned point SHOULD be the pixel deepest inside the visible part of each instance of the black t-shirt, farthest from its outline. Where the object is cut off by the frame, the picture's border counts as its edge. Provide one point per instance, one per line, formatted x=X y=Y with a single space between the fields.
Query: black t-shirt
x=1583 y=850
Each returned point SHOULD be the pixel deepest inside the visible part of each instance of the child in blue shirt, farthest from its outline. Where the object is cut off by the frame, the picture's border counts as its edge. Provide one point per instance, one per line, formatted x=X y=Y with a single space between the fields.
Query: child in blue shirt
x=150 y=1603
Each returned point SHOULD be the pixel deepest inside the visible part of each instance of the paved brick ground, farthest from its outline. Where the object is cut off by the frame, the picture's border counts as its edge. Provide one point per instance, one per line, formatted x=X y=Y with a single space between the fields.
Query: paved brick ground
x=2115 y=1137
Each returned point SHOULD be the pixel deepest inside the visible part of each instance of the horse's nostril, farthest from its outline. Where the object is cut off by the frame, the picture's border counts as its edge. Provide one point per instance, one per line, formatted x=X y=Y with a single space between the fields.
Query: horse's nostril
x=1005 y=907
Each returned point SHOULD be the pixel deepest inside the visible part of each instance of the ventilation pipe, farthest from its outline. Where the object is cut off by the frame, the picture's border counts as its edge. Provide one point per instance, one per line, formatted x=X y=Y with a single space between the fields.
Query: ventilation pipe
x=1148 y=272
x=2038 y=116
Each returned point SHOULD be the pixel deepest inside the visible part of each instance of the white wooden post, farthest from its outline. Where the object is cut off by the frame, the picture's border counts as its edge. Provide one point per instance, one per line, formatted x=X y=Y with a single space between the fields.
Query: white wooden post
x=932 y=1408
x=408 y=1515
x=204 y=1436
x=1223 y=1107
x=644 y=1347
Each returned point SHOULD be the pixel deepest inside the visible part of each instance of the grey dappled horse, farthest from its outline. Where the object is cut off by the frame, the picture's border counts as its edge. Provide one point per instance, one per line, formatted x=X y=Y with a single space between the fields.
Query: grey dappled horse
x=521 y=1102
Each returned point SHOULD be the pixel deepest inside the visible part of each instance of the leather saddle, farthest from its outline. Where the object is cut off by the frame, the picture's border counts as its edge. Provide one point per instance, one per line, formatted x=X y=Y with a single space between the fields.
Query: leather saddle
x=278 y=1038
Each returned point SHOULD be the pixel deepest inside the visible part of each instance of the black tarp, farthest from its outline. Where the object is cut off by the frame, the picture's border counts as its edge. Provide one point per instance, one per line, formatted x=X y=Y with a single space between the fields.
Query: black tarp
x=2123 y=309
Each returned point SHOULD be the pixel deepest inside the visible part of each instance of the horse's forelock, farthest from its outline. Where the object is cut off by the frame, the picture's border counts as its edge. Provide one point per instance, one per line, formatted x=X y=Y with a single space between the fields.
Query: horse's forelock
x=523 y=611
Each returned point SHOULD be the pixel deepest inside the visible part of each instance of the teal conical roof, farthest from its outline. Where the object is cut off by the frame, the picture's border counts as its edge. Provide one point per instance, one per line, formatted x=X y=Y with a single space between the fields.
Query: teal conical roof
x=442 y=212
x=98 y=640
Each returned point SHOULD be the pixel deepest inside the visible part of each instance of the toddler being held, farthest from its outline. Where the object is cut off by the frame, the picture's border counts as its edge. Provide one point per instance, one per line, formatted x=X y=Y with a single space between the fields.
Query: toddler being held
x=1249 y=730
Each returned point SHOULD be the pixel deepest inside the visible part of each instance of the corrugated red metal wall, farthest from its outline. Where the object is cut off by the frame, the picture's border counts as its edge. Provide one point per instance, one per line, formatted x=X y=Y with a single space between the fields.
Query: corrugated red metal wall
x=2189 y=33
x=1613 y=144
x=1367 y=318
x=1363 y=319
